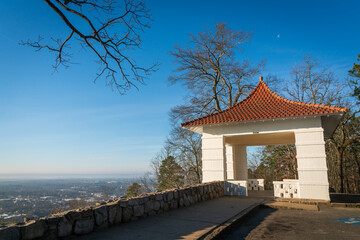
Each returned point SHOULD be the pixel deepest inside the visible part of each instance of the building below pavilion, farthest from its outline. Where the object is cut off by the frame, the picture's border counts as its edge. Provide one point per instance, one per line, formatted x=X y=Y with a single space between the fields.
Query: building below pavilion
x=265 y=118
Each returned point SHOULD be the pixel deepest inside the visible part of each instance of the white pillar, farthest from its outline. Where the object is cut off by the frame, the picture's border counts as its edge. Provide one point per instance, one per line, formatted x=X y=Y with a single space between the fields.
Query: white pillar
x=240 y=162
x=311 y=160
x=213 y=158
x=229 y=162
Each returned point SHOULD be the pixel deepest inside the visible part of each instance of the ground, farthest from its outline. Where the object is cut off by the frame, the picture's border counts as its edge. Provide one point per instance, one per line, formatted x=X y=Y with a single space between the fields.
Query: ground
x=268 y=223
x=183 y=223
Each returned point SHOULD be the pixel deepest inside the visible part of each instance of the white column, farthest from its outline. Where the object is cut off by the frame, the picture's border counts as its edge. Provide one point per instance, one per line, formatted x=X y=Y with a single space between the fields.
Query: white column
x=229 y=162
x=240 y=162
x=213 y=158
x=311 y=160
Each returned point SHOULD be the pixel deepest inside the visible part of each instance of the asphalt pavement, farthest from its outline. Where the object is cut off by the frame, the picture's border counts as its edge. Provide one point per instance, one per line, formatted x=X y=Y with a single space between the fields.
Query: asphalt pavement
x=328 y=223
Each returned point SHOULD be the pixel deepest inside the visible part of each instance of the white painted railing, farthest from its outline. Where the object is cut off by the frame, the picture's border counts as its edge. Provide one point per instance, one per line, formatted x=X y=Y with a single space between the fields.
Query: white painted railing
x=288 y=188
x=236 y=188
x=255 y=184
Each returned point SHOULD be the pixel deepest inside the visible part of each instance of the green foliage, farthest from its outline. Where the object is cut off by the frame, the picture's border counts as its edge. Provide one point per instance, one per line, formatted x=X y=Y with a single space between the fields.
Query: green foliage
x=265 y=172
x=171 y=175
x=281 y=158
x=355 y=73
x=133 y=190
x=276 y=162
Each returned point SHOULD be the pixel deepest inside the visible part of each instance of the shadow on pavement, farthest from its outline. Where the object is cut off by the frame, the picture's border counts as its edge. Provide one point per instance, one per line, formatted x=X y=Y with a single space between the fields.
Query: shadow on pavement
x=245 y=226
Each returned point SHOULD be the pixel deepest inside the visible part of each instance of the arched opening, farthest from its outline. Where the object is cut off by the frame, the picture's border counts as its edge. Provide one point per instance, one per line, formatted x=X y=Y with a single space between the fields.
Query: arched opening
x=265 y=175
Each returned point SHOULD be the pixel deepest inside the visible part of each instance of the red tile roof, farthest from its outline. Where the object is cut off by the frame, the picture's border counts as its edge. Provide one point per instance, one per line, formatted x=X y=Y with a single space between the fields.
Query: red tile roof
x=262 y=103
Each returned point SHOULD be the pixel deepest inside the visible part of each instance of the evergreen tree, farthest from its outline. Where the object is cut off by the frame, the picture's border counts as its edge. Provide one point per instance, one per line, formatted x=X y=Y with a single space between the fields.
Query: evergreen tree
x=133 y=190
x=171 y=175
x=355 y=73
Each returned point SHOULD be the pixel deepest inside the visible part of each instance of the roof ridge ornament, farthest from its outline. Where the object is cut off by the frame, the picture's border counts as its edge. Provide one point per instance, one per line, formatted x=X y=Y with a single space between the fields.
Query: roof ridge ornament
x=261 y=79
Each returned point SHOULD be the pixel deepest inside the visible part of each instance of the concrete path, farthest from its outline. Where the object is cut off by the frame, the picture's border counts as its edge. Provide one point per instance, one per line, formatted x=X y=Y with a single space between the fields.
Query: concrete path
x=185 y=223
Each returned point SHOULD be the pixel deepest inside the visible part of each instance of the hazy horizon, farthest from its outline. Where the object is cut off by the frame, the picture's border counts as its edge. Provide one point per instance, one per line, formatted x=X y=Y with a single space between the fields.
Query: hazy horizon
x=16 y=176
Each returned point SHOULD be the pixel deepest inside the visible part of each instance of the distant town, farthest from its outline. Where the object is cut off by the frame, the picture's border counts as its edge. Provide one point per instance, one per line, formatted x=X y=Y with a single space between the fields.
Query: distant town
x=30 y=199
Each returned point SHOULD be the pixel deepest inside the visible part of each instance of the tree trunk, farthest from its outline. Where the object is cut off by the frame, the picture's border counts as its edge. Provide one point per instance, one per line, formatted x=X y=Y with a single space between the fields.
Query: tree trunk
x=341 y=170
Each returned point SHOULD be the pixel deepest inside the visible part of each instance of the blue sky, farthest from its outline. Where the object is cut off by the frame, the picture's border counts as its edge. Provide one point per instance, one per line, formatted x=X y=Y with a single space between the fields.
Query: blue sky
x=64 y=123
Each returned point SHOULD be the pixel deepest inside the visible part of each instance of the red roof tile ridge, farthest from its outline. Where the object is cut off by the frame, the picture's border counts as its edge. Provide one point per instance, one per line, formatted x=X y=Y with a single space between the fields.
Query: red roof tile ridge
x=261 y=82
x=196 y=119
x=302 y=103
x=228 y=109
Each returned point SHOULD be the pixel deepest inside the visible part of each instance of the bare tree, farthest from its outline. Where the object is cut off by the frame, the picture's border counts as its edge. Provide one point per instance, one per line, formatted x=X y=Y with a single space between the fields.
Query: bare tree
x=314 y=84
x=109 y=28
x=342 y=149
x=185 y=145
x=148 y=182
x=216 y=79
x=211 y=72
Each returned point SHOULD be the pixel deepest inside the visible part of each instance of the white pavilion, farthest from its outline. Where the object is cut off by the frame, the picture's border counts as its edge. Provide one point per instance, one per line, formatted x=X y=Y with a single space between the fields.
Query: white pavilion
x=265 y=118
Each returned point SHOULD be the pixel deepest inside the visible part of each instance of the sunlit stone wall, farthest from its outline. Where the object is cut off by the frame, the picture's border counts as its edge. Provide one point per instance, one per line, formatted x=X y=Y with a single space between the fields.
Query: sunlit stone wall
x=106 y=214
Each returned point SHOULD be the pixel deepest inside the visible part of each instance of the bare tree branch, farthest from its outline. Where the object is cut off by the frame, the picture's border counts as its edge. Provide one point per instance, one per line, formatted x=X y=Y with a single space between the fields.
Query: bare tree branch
x=313 y=83
x=211 y=72
x=109 y=34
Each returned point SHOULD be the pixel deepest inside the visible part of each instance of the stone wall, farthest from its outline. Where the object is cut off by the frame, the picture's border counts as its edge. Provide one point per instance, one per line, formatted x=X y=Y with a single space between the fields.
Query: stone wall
x=86 y=220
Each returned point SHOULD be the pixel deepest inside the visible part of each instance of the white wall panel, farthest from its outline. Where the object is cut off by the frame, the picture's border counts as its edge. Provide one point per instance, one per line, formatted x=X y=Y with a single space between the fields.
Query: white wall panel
x=311 y=158
x=311 y=162
x=212 y=165
x=313 y=176
x=209 y=176
x=213 y=154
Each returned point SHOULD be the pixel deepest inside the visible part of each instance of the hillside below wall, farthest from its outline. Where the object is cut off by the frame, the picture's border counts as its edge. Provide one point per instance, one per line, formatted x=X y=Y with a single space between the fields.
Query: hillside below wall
x=86 y=220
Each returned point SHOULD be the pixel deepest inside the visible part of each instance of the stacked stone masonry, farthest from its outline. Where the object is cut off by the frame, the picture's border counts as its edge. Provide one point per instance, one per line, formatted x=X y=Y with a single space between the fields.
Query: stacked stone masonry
x=86 y=220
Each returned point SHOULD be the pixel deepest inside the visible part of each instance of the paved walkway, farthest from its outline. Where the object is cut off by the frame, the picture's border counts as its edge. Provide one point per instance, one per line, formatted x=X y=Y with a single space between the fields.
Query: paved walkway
x=184 y=223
